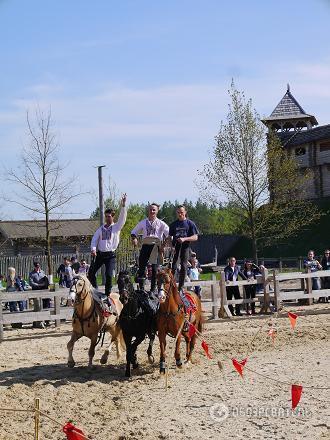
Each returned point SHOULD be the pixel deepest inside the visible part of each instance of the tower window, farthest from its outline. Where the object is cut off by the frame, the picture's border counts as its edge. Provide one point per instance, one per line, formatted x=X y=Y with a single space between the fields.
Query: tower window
x=300 y=151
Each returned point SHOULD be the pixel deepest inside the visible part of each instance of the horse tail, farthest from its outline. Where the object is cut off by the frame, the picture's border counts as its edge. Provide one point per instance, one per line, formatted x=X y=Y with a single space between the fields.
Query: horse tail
x=120 y=342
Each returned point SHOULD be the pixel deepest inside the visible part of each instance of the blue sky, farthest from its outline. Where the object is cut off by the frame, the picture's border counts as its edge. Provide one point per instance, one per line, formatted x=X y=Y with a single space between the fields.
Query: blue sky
x=141 y=86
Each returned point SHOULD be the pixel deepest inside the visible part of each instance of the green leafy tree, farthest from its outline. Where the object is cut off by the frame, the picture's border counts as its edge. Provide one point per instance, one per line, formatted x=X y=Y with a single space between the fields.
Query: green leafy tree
x=263 y=186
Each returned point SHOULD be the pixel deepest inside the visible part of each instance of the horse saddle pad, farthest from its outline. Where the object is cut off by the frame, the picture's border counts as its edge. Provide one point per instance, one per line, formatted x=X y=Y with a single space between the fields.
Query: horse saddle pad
x=191 y=299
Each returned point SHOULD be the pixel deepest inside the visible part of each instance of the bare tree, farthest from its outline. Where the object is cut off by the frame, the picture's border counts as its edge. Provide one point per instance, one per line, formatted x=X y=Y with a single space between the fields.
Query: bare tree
x=259 y=179
x=43 y=189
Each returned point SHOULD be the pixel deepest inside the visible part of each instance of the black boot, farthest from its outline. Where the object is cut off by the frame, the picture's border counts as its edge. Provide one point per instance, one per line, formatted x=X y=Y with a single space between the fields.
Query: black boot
x=238 y=310
x=231 y=309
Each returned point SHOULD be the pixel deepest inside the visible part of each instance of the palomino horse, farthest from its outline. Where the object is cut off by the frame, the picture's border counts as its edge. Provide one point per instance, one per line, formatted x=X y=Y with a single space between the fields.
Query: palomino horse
x=88 y=320
x=134 y=321
x=171 y=316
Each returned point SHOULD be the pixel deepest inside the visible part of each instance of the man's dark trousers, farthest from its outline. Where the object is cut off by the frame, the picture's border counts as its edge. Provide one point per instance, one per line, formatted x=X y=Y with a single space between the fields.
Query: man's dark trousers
x=182 y=250
x=144 y=256
x=109 y=260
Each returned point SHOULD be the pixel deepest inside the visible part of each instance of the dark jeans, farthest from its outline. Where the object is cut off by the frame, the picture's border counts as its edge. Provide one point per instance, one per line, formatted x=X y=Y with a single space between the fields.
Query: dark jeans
x=13 y=306
x=144 y=256
x=250 y=292
x=233 y=291
x=109 y=261
x=182 y=250
x=43 y=286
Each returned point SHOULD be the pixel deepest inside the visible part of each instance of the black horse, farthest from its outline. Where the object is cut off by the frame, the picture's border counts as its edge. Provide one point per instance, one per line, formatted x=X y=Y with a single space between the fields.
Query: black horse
x=136 y=320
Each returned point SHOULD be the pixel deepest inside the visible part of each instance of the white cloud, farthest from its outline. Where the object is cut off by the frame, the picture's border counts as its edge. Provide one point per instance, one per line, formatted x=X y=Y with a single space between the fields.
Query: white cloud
x=153 y=139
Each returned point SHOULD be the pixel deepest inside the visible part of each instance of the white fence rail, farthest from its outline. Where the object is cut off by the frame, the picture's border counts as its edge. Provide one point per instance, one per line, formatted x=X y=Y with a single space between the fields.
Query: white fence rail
x=55 y=313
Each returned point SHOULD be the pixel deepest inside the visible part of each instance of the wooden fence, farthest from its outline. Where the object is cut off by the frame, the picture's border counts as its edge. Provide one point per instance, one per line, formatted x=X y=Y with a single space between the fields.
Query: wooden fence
x=305 y=293
x=126 y=256
x=55 y=313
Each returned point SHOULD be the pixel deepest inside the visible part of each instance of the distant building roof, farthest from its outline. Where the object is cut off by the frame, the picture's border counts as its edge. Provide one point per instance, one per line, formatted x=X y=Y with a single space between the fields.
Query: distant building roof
x=297 y=138
x=289 y=108
x=20 y=229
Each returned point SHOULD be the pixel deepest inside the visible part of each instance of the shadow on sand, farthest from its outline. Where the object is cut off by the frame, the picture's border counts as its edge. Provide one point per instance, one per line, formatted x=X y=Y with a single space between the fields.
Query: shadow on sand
x=60 y=375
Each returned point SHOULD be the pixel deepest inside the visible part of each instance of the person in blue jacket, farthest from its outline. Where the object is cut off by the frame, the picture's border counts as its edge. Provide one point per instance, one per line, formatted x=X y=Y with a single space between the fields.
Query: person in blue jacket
x=232 y=272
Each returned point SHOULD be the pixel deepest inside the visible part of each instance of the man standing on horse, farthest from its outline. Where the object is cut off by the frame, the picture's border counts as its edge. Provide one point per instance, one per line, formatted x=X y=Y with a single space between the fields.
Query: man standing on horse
x=104 y=244
x=154 y=231
x=183 y=231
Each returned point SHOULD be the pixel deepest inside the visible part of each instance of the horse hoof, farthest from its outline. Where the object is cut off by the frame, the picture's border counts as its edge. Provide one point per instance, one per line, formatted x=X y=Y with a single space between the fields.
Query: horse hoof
x=104 y=360
x=151 y=359
x=135 y=366
x=179 y=364
x=162 y=370
x=127 y=374
x=71 y=364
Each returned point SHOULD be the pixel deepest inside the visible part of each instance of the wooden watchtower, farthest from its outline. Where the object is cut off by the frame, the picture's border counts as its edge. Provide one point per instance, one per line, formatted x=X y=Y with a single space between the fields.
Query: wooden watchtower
x=310 y=145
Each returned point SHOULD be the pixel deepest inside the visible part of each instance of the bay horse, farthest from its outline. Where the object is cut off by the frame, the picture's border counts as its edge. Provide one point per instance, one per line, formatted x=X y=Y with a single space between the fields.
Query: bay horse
x=134 y=321
x=88 y=320
x=171 y=315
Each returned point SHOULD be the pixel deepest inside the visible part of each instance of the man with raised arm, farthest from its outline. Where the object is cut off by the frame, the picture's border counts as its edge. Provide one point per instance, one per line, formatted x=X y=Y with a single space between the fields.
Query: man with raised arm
x=154 y=231
x=183 y=231
x=104 y=244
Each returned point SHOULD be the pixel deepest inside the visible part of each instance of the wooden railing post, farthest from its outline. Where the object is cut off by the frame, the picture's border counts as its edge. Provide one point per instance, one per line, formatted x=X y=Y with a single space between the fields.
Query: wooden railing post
x=265 y=308
x=57 y=310
x=309 y=284
x=277 y=292
x=224 y=311
x=214 y=297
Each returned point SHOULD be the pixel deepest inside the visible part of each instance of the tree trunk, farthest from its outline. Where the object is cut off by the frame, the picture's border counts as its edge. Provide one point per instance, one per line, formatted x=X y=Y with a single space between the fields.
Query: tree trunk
x=253 y=237
x=48 y=247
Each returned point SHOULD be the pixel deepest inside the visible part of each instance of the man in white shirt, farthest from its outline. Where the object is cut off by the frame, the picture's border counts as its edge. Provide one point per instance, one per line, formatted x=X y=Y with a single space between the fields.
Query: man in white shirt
x=104 y=244
x=154 y=232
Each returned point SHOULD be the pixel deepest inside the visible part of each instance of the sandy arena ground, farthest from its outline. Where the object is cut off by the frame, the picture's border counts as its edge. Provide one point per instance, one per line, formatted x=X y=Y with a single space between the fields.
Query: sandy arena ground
x=202 y=402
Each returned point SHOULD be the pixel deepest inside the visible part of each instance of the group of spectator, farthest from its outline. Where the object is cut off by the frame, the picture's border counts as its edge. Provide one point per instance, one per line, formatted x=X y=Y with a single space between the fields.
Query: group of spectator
x=69 y=268
x=39 y=281
x=249 y=272
x=314 y=265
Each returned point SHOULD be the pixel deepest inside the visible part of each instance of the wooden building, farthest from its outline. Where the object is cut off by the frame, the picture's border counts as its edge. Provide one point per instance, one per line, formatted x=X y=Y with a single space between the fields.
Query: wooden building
x=301 y=137
x=26 y=237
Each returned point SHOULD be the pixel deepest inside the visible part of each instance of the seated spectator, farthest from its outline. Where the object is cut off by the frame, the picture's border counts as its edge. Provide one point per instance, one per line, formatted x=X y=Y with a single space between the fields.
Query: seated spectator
x=39 y=281
x=250 y=272
x=14 y=285
x=193 y=272
x=232 y=271
x=314 y=266
x=84 y=267
x=75 y=264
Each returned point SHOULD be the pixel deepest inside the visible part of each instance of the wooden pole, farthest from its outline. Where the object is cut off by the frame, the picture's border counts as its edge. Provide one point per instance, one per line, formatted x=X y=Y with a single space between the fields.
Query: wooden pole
x=57 y=306
x=224 y=311
x=101 y=208
x=214 y=297
x=277 y=298
x=265 y=308
x=36 y=418
x=309 y=287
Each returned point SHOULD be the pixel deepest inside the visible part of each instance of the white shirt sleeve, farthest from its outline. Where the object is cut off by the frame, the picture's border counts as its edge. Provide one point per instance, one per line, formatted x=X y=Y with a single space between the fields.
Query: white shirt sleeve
x=140 y=226
x=166 y=230
x=95 y=240
x=121 y=219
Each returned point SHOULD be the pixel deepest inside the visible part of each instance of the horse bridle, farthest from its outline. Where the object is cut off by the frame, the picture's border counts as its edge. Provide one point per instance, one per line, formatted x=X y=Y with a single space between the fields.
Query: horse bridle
x=79 y=299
